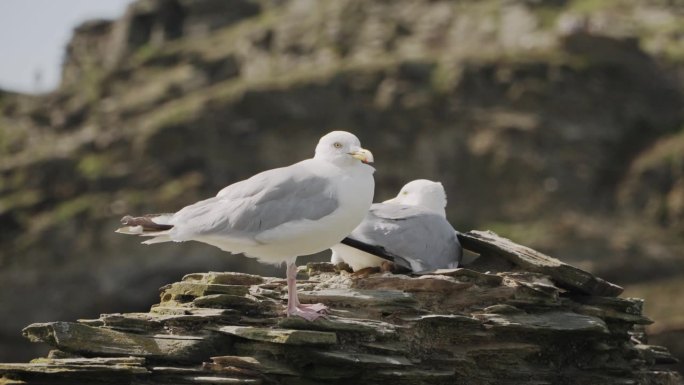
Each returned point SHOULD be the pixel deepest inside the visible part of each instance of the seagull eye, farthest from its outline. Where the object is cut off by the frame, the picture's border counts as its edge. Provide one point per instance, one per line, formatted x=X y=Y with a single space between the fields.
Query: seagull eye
x=405 y=193
x=337 y=145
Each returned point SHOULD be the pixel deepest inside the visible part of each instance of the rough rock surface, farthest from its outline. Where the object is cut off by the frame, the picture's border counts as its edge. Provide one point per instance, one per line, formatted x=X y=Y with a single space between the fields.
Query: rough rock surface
x=518 y=326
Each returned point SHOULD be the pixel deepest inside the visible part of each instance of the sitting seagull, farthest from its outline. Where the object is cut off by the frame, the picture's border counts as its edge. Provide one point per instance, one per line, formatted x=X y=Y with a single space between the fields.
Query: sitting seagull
x=410 y=230
x=280 y=214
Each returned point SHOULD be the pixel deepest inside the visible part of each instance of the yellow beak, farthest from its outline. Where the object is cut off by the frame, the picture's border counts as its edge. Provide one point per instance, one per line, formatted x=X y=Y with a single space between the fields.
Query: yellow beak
x=363 y=155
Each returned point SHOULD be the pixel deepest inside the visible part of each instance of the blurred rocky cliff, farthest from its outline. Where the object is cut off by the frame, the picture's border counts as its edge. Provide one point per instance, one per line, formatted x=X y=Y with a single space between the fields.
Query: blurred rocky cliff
x=556 y=123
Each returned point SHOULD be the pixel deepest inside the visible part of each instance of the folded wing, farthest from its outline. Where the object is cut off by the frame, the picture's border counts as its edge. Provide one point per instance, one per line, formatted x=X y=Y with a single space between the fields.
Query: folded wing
x=424 y=239
x=241 y=211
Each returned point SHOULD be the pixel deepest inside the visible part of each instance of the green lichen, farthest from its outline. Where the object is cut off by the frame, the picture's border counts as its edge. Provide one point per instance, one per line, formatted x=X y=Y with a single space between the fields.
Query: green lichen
x=174 y=113
x=547 y=15
x=12 y=136
x=18 y=200
x=593 y=6
x=523 y=232
x=93 y=166
x=443 y=78
x=173 y=189
x=70 y=209
x=668 y=151
x=218 y=45
x=145 y=53
x=93 y=75
x=89 y=203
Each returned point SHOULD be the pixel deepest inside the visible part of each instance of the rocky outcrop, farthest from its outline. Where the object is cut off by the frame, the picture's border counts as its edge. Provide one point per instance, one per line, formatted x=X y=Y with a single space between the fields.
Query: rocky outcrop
x=538 y=117
x=654 y=187
x=539 y=321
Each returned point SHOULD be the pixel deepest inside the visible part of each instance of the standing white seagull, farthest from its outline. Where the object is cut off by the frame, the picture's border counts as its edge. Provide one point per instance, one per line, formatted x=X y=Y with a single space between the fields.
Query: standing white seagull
x=411 y=230
x=280 y=214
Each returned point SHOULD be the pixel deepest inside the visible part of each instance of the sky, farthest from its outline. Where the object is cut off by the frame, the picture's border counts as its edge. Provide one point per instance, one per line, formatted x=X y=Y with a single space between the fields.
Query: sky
x=34 y=33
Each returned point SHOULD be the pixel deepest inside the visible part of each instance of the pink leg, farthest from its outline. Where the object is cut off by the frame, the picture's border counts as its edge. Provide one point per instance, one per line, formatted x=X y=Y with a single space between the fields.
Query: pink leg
x=308 y=312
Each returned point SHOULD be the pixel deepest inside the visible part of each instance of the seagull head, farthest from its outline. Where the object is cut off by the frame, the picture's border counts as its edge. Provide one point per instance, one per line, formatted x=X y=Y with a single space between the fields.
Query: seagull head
x=422 y=192
x=341 y=147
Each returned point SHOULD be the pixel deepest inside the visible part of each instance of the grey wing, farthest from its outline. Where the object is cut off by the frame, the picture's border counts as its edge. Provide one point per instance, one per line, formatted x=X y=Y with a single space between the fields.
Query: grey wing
x=424 y=239
x=267 y=200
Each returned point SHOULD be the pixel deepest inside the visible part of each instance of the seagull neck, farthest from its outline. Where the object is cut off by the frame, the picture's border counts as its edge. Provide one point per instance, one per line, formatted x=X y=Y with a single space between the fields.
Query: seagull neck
x=441 y=211
x=339 y=161
x=430 y=204
x=438 y=208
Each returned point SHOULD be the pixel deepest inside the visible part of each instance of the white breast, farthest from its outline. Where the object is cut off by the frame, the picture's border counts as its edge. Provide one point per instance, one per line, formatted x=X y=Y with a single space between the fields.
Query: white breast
x=355 y=258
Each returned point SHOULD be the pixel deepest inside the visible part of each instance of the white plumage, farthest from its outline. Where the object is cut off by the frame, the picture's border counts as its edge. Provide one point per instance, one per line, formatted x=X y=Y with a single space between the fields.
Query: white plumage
x=278 y=214
x=412 y=226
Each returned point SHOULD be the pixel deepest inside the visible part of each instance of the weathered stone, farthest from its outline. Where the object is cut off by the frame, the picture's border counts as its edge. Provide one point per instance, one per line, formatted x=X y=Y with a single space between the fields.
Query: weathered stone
x=4 y=380
x=281 y=336
x=488 y=243
x=414 y=375
x=171 y=315
x=224 y=278
x=445 y=318
x=656 y=354
x=350 y=358
x=261 y=365
x=534 y=281
x=633 y=306
x=134 y=361
x=320 y=267
x=533 y=289
x=177 y=369
x=182 y=290
x=611 y=314
x=547 y=322
x=505 y=351
x=443 y=331
x=467 y=275
x=340 y=324
x=82 y=339
x=91 y=322
x=458 y=327
x=503 y=309
x=358 y=298
x=425 y=283
x=138 y=322
x=389 y=347
x=75 y=366
x=219 y=380
x=225 y=301
x=58 y=354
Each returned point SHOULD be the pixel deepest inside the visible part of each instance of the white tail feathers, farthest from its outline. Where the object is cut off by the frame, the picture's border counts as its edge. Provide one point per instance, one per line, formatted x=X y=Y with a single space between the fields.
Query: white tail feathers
x=159 y=239
x=162 y=219
x=131 y=230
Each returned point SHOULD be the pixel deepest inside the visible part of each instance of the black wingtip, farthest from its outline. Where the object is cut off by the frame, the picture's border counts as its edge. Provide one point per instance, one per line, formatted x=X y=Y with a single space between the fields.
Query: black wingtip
x=378 y=251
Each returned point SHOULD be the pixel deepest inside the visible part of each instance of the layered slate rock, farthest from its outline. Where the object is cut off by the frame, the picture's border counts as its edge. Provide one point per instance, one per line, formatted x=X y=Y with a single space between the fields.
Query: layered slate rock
x=487 y=243
x=540 y=322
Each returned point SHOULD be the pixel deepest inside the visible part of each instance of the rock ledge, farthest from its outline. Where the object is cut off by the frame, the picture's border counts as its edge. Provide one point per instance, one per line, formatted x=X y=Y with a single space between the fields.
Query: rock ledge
x=538 y=321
